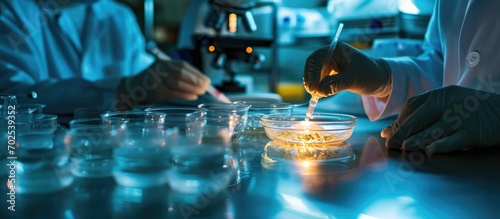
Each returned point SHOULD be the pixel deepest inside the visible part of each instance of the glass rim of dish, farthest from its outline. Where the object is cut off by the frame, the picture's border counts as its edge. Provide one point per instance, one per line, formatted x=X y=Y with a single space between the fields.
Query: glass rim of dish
x=176 y=110
x=86 y=122
x=37 y=116
x=234 y=105
x=270 y=119
x=31 y=105
x=334 y=164
x=262 y=105
x=117 y=114
x=187 y=108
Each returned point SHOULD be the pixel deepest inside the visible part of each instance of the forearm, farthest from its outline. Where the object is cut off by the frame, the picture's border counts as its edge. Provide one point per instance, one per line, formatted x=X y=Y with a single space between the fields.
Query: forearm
x=138 y=89
x=410 y=76
x=60 y=97
x=124 y=101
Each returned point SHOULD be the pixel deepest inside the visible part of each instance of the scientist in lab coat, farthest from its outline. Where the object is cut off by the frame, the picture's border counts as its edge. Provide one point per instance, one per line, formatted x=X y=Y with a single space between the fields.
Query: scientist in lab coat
x=82 y=53
x=448 y=98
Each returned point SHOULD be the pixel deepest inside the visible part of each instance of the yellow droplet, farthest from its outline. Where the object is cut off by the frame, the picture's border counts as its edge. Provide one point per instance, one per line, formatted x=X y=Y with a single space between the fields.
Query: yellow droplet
x=332 y=72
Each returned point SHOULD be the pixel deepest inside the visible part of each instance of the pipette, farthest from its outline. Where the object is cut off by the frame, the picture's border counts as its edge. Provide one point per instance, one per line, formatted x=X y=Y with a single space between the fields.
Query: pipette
x=313 y=102
x=210 y=89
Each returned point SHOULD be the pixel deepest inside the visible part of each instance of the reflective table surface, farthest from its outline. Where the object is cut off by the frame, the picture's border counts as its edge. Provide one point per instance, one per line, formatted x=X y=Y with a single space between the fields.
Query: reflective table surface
x=377 y=183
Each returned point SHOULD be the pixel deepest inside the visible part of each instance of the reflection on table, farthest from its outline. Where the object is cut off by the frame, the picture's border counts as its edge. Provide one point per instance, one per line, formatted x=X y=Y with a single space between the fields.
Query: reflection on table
x=376 y=183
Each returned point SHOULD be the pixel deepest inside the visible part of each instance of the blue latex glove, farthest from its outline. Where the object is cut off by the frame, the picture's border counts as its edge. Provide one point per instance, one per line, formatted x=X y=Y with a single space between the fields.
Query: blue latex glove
x=446 y=119
x=164 y=80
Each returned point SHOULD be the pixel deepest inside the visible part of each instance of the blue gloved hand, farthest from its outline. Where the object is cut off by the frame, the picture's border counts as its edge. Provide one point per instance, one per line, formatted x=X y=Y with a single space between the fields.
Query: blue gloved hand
x=164 y=80
x=446 y=119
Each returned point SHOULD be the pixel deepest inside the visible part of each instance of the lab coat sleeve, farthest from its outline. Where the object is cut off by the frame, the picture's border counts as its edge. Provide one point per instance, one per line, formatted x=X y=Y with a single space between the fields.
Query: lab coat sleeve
x=21 y=67
x=135 y=59
x=411 y=75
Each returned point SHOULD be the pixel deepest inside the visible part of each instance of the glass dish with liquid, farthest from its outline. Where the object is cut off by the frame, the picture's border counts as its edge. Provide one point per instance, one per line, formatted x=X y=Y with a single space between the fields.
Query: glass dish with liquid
x=316 y=129
x=318 y=158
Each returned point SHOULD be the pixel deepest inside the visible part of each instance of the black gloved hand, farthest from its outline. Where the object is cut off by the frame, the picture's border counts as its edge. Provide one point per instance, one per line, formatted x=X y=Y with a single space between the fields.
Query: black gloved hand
x=446 y=119
x=352 y=70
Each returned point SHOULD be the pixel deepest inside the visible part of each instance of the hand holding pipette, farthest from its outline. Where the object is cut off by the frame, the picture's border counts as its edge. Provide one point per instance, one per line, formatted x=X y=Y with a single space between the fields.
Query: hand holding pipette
x=164 y=79
x=332 y=69
x=210 y=88
x=325 y=71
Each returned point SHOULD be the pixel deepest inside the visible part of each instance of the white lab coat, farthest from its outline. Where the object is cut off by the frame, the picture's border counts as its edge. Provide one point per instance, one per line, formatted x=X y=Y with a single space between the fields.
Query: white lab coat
x=462 y=47
x=72 y=56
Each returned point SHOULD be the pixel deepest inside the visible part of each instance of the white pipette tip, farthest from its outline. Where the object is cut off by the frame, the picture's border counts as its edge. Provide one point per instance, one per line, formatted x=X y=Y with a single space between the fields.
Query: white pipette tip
x=312 y=105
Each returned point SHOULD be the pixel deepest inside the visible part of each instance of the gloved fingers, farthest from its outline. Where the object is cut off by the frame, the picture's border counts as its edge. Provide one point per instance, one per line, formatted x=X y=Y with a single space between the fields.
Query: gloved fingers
x=411 y=105
x=331 y=85
x=332 y=79
x=419 y=121
x=312 y=70
x=320 y=65
x=438 y=130
x=183 y=71
x=386 y=132
x=343 y=55
x=183 y=95
x=166 y=92
x=174 y=84
x=458 y=140
x=180 y=77
x=201 y=79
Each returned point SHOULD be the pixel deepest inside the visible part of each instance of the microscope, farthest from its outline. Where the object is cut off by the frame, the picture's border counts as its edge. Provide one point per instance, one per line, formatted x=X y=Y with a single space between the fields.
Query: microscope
x=233 y=37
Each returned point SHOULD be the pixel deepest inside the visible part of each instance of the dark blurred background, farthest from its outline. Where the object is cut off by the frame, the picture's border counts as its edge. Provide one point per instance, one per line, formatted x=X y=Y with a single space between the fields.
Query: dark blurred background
x=168 y=15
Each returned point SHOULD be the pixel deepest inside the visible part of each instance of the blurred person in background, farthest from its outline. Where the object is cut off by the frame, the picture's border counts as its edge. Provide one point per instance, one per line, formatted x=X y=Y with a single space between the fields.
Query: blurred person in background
x=84 y=53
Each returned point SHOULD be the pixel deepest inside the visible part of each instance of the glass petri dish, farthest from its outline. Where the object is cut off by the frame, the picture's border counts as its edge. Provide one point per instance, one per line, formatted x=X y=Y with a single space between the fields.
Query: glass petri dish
x=258 y=109
x=301 y=158
x=323 y=128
